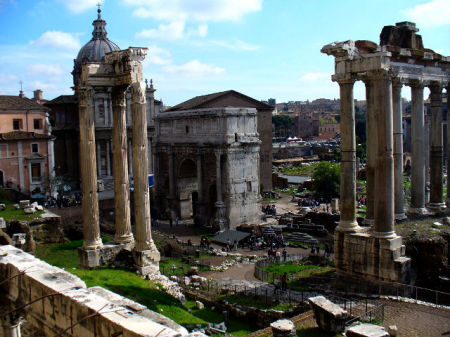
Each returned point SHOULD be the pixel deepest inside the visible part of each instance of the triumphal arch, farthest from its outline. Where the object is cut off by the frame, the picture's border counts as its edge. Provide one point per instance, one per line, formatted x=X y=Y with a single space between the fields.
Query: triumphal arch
x=399 y=60
x=119 y=71
x=207 y=164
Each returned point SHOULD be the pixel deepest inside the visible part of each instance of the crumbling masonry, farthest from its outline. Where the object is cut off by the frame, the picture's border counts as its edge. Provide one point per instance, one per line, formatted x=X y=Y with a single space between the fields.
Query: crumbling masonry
x=399 y=60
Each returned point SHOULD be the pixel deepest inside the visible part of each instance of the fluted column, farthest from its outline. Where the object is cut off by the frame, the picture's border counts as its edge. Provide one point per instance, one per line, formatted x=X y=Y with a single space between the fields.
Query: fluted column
x=140 y=166
x=199 y=217
x=347 y=221
x=436 y=148
x=120 y=162
x=91 y=227
x=417 y=205
x=220 y=206
x=448 y=147
x=371 y=150
x=384 y=171
x=398 y=151
x=172 y=185
x=99 y=158
x=108 y=158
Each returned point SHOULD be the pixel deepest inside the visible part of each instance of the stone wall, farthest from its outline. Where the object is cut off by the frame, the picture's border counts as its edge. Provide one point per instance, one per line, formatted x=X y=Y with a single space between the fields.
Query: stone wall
x=62 y=300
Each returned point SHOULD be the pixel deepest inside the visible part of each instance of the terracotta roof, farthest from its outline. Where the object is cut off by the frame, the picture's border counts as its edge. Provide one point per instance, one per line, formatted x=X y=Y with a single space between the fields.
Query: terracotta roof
x=22 y=135
x=198 y=101
x=63 y=99
x=19 y=103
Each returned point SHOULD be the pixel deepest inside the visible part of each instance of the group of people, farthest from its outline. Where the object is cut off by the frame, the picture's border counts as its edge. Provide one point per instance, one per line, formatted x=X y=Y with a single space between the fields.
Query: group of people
x=327 y=250
x=274 y=255
x=280 y=282
x=262 y=242
x=269 y=209
x=63 y=200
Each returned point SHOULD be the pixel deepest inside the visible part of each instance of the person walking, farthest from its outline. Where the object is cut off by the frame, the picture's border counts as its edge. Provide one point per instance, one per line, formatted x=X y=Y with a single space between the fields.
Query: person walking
x=284 y=255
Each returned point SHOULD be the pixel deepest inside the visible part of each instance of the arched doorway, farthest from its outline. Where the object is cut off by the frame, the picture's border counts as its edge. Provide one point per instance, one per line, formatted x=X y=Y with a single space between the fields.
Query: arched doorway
x=2 y=179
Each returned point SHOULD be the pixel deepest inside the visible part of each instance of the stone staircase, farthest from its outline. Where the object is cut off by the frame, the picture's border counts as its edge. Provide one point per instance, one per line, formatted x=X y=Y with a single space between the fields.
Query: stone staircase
x=302 y=237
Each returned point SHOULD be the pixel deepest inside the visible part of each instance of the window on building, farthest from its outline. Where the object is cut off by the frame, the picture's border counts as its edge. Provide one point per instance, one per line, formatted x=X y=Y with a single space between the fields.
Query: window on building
x=35 y=148
x=37 y=124
x=17 y=124
x=249 y=186
x=36 y=172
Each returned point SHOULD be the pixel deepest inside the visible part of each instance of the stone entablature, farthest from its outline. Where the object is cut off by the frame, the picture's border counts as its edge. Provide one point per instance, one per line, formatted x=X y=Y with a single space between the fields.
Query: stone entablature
x=212 y=155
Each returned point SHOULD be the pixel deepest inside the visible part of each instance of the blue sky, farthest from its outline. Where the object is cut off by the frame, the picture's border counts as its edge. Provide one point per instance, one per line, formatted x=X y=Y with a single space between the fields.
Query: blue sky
x=262 y=48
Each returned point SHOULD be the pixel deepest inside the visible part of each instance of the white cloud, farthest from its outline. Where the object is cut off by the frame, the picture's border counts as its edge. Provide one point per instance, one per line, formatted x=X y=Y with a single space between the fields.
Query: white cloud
x=195 y=10
x=8 y=78
x=193 y=69
x=158 y=56
x=433 y=13
x=79 y=6
x=236 y=44
x=173 y=31
x=44 y=70
x=314 y=77
x=57 y=39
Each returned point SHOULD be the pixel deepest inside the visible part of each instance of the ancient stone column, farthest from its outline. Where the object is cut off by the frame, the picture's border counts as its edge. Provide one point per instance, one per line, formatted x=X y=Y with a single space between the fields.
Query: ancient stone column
x=120 y=162
x=130 y=158
x=347 y=221
x=384 y=171
x=91 y=227
x=398 y=151
x=436 y=148
x=417 y=205
x=220 y=205
x=448 y=146
x=199 y=217
x=108 y=158
x=371 y=150
x=172 y=190
x=99 y=159
x=140 y=165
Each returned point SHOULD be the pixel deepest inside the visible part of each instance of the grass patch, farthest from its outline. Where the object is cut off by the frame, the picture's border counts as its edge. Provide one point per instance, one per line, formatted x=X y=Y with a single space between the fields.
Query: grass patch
x=10 y=213
x=302 y=170
x=131 y=285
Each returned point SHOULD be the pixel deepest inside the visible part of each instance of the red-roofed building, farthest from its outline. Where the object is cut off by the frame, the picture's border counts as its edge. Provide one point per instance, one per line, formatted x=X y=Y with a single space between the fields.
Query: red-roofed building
x=26 y=146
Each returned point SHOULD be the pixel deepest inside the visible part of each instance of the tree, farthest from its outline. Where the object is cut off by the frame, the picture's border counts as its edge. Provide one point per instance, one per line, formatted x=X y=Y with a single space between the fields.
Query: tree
x=282 y=122
x=326 y=180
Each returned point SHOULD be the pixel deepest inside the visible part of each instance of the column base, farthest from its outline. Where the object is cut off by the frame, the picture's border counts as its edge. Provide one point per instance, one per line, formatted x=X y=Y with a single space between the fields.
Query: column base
x=348 y=226
x=147 y=261
x=436 y=206
x=96 y=244
x=418 y=211
x=368 y=222
x=400 y=216
x=384 y=235
x=220 y=220
x=93 y=258
x=124 y=239
x=361 y=255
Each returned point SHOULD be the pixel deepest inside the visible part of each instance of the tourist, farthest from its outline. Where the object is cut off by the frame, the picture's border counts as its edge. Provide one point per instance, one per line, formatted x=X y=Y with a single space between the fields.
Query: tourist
x=284 y=255
x=278 y=255
x=176 y=221
x=228 y=245
x=284 y=281
x=235 y=245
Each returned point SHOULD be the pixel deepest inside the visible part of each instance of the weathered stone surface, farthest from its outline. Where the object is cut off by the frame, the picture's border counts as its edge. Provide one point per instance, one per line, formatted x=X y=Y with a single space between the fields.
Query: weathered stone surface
x=283 y=328
x=199 y=305
x=24 y=203
x=29 y=210
x=53 y=314
x=2 y=207
x=2 y=223
x=366 y=330
x=329 y=316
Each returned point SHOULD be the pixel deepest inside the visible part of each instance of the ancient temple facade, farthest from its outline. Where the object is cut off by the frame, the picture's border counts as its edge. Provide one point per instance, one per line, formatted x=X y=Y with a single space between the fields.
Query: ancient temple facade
x=399 y=60
x=207 y=165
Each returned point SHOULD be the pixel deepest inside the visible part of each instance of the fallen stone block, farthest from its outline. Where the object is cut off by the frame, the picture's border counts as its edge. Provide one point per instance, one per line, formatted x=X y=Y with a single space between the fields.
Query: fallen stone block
x=2 y=223
x=39 y=208
x=199 y=305
x=392 y=330
x=283 y=328
x=2 y=207
x=366 y=330
x=16 y=206
x=329 y=316
x=24 y=203
x=29 y=210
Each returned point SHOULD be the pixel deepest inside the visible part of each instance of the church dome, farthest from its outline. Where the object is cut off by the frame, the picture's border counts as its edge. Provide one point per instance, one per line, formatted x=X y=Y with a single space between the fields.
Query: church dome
x=96 y=48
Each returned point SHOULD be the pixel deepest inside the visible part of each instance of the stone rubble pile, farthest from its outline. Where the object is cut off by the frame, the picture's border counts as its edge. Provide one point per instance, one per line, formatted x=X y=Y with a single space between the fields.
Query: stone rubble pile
x=171 y=287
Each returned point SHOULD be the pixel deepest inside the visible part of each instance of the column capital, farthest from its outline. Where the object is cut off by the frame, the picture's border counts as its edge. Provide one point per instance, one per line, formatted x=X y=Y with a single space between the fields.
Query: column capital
x=397 y=82
x=138 y=93
x=435 y=87
x=344 y=79
x=85 y=95
x=416 y=83
x=218 y=152
x=378 y=74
